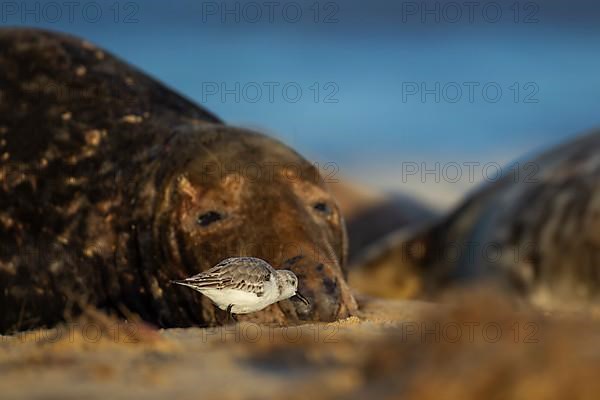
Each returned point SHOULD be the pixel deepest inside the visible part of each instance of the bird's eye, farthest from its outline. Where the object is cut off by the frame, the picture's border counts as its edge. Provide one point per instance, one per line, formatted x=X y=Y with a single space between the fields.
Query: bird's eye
x=322 y=207
x=208 y=218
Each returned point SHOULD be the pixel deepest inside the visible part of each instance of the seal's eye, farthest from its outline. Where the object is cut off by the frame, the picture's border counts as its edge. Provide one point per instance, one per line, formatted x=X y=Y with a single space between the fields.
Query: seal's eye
x=322 y=207
x=208 y=218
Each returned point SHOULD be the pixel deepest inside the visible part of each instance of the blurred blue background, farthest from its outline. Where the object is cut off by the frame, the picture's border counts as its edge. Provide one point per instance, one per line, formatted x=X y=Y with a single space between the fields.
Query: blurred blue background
x=361 y=67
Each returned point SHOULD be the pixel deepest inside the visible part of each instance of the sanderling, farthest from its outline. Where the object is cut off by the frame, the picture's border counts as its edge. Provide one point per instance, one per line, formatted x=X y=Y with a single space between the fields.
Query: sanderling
x=242 y=285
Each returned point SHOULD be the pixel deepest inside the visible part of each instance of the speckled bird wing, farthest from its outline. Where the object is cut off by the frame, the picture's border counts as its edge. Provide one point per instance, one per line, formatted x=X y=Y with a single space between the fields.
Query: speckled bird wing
x=242 y=273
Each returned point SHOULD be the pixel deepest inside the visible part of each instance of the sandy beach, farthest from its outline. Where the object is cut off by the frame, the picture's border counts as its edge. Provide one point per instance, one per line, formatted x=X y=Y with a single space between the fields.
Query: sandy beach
x=392 y=349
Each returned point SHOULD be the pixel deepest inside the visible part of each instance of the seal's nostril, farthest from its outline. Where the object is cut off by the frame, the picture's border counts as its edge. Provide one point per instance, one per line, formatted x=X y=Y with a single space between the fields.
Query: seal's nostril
x=331 y=287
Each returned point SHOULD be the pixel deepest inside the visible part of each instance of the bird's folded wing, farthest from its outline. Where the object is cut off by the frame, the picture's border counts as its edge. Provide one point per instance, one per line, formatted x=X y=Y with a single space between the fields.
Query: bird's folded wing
x=248 y=277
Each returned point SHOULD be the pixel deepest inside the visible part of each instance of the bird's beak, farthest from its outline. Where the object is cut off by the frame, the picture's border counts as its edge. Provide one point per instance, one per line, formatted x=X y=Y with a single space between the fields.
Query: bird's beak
x=301 y=298
x=182 y=283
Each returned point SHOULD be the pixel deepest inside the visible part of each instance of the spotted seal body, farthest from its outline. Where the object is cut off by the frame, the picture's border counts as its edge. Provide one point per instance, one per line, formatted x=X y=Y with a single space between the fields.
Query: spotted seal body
x=111 y=185
x=537 y=231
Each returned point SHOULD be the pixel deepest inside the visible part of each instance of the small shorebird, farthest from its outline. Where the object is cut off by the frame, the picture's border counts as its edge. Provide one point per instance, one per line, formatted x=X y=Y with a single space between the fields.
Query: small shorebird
x=242 y=285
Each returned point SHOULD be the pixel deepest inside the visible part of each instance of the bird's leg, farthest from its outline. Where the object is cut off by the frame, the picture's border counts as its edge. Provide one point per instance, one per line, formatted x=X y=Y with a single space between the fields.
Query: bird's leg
x=230 y=316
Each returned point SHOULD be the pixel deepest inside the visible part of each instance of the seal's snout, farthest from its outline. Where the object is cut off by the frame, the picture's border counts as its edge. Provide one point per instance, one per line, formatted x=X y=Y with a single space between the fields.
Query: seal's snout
x=322 y=292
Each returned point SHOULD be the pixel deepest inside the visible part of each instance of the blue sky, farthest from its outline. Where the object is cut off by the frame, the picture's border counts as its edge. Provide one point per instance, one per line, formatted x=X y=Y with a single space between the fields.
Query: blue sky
x=358 y=64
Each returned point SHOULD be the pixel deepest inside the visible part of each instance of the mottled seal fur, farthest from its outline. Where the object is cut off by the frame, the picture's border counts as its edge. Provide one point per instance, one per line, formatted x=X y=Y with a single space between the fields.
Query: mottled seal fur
x=536 y=231
x=111 y=185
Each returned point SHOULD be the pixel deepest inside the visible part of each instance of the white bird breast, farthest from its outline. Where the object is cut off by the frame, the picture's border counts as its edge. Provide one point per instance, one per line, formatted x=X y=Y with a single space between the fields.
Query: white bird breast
x=243 y=302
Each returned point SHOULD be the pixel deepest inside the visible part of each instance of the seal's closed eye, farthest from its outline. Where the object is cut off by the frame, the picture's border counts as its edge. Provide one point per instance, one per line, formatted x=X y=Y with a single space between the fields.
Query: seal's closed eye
x=322 y=207
x=208 y=218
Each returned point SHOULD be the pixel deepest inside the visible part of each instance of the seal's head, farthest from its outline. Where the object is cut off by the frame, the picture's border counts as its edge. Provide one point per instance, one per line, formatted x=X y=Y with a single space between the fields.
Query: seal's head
x=238 y=193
